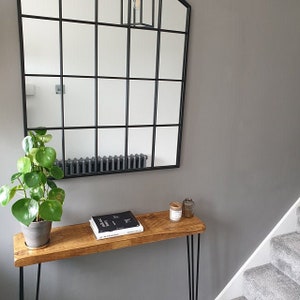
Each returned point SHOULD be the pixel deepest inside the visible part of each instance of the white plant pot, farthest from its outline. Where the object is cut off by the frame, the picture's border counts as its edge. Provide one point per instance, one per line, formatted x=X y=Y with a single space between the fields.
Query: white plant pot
x=37 y=234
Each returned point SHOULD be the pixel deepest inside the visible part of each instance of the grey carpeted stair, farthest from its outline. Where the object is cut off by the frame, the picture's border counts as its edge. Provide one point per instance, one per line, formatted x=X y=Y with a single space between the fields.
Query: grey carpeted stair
x=285 y=254
x=266 y=282
x=280 y=279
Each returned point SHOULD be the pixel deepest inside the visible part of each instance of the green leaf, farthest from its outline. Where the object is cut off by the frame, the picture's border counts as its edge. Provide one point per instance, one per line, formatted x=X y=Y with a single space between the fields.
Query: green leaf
x=24 y=165
x=15 y=176
x=56 y=172
x=5 y=195
x=32 y=154
x=51 y=183
x=32 y=179
x=25 y=210
x=51 y=210
x=27 y=144
x=41 y=131
x=37 y=193
x=45 y=138
x=43 y=178
x=57 y=194
x=13 y=191
x=46 y=157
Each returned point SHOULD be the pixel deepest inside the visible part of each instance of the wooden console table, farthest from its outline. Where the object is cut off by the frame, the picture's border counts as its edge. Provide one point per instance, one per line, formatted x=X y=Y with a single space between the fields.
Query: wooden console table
x=78 y=240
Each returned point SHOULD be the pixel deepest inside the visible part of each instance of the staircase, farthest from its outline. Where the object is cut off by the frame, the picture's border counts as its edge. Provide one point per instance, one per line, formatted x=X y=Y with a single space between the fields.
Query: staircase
x=280 y=278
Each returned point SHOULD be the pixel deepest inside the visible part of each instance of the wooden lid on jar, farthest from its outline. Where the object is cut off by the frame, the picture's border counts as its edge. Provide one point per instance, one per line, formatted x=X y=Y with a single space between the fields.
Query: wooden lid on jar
x=176 y=205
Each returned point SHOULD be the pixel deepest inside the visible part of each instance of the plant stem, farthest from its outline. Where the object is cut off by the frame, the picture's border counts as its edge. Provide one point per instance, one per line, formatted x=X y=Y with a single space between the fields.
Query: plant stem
x=23 y=188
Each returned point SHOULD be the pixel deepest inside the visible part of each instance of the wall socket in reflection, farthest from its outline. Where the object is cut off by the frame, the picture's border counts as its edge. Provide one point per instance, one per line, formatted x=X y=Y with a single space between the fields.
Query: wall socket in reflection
x=30 y=89
x=59 y=90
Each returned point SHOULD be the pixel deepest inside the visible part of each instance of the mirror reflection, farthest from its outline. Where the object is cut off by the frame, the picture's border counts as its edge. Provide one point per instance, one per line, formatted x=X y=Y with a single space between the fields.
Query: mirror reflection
x=143 y=53
x=41 y=51
x=107 y=79
x=112 y=102
x=43 y=105
x=73 y=9
x=141 y=112
x=79 y=96
x=112 y=51
x=78 y=60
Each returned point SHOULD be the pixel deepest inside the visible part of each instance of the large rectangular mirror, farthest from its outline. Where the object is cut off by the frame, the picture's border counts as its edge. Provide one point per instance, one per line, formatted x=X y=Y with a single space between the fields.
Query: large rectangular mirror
x=107 y=79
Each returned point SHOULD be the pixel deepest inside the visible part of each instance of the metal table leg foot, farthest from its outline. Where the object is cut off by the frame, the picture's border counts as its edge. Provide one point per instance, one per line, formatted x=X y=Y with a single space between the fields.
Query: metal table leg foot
x=193 y=269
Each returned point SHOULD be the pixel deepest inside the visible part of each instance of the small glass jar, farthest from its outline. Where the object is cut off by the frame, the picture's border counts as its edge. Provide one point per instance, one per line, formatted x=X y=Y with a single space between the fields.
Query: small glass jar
x=188 y=208
x=175 y=211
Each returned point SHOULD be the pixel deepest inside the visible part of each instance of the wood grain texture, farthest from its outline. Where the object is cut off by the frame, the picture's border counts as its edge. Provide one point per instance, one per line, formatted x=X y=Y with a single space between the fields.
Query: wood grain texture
x=78 y=240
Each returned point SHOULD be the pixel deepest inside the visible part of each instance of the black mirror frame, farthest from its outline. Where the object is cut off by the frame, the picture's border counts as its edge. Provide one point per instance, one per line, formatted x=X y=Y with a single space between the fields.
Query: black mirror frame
x=126 y=163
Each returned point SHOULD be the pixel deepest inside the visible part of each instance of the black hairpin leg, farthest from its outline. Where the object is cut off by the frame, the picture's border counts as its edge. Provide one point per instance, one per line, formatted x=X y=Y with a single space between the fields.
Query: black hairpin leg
x=38 y=282
x=193 y=275
x=21 y=282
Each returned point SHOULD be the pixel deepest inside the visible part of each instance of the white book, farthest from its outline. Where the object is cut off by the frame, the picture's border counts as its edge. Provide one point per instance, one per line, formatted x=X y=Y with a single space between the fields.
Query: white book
x=108 y=234
x=116 y=224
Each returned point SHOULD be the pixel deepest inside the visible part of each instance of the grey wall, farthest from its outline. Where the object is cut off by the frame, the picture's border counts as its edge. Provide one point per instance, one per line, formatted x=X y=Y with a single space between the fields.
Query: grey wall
x=240 y=158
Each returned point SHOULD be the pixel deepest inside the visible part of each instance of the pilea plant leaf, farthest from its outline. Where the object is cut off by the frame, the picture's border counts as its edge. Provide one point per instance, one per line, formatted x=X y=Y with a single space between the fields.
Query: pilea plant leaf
x=57 y=194
x=43 y=178
x=45 y=138
x=46 y=157
x=32 y=179
x=41 y=131
x=31 y=155
x=25 y=210
x=51 y=210
x=15 y=176
x=56 y=172
x=27 y=144
x=24 y=165
x=6 y=194
x=37 y=193
x=51 y=183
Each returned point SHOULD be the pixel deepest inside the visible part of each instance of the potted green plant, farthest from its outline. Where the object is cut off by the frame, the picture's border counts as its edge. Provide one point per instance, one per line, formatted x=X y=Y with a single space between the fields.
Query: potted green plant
x=39 y=200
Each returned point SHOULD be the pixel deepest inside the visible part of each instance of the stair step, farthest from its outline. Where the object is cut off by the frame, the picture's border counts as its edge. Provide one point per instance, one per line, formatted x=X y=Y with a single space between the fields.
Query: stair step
x=240 y=298
x=266 y=282
x=285 y=254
